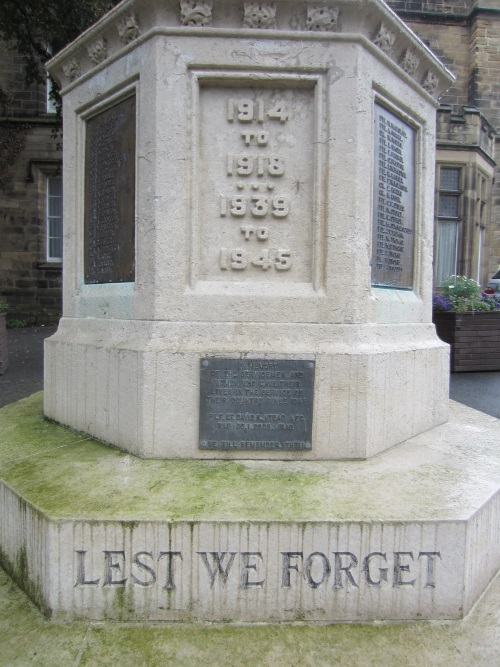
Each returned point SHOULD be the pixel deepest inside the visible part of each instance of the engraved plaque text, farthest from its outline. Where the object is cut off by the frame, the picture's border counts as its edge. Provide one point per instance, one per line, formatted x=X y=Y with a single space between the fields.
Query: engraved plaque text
x=393 y=202
x=110 y=195
x=249 y=404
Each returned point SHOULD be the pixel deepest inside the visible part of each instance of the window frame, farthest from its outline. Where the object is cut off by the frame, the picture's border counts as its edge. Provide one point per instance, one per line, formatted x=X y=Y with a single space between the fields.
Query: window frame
x=449 y=219
x=49 y=218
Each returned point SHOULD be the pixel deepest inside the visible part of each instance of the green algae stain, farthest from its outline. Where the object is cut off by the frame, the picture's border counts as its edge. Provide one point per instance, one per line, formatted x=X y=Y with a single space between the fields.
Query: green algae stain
x=18 y=570
x=70 y=475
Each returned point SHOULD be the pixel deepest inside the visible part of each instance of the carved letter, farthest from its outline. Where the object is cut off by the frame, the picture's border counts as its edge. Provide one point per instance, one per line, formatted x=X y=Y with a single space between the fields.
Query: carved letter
x=429 y=582
x=80 y=571
x=170 y=583
x=337 y=583
x=218 y=559
x=308 y=566
x=399 y=568
x=382 y=570
x=246 y=566
x=111 y=566
x=143 y=566
x=286 y=566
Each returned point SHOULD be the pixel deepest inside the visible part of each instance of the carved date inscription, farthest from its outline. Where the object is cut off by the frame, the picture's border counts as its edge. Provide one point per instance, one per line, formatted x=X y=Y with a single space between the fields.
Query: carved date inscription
x=110 y=195
x=257 y=189
x=393 y=202
x=256 y=404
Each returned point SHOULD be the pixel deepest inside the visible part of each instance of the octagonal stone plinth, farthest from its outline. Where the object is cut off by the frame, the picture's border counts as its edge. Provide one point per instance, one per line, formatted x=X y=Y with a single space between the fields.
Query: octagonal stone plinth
x=91 y=532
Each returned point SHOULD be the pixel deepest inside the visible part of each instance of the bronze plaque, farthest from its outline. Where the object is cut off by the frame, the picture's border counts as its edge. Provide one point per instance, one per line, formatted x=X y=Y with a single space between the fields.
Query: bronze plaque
x=249 y=404
x=393 y=241
x=110 y=195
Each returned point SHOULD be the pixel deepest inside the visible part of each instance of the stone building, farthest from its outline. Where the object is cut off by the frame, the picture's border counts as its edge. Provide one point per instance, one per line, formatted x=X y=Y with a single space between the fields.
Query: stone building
x=30 y=197
x=465 y=34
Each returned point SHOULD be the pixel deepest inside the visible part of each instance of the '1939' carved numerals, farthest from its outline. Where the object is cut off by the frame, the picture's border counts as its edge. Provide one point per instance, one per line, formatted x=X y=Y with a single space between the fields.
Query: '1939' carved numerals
x=238 y=259
x=258 y=206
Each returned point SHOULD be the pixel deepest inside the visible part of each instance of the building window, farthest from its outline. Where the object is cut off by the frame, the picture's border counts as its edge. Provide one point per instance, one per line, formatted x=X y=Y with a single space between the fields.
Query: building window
x=54 y=218
x=449 y=218
x=51 y=106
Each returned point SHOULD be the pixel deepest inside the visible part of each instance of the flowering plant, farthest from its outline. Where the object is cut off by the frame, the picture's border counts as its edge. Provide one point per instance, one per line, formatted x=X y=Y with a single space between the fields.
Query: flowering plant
x=463 y=295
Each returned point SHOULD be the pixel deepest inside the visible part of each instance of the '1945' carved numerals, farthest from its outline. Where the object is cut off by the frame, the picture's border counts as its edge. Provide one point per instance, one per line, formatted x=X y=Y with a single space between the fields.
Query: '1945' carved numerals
x=238 y=259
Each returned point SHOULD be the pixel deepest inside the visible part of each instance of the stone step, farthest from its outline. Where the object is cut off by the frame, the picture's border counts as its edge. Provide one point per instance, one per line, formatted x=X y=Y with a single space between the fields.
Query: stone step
x=91 y=532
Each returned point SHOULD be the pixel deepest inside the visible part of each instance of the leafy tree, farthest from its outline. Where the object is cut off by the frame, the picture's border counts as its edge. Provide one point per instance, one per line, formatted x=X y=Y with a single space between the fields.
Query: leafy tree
x=36 y=29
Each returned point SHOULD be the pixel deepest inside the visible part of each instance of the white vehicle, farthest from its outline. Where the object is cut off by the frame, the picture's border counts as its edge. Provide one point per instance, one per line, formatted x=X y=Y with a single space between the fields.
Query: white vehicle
x=495 y=282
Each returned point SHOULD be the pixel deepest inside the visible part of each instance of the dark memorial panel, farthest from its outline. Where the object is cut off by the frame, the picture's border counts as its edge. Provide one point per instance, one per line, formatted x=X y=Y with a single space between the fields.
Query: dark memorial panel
x=248 y=404
x=393 y=240
x=110 y=195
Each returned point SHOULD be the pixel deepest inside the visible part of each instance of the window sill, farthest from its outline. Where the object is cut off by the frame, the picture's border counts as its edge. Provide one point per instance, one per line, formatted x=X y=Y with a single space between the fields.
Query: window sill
x=57 y=266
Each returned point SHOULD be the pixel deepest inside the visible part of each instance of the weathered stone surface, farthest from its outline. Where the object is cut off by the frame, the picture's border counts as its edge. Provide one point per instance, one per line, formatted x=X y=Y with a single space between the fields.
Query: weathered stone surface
x=91 y=532
x=256 y=152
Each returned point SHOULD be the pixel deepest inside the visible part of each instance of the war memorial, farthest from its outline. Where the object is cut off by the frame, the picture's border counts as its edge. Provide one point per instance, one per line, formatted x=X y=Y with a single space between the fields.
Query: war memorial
x=257 y=395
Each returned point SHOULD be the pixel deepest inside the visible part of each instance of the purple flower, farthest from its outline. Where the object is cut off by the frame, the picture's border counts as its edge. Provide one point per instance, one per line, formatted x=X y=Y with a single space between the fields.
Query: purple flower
x=492 y=300
x=440 y=303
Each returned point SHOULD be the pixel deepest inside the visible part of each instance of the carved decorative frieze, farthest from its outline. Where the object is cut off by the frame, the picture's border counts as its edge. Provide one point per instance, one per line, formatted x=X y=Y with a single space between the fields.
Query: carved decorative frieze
x=72 y=69
x=196 y=13
x=385 y=39
x=128 y=28
x=430 y=82
x=321 y=18
x=410 y=62
x=98 y=50
x=259 y=15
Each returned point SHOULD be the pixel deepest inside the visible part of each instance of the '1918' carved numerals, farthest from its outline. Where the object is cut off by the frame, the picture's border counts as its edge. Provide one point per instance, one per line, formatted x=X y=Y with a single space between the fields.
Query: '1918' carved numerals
x=257 y=205
x=262 y=165
x=248 y=111
x=238 y=259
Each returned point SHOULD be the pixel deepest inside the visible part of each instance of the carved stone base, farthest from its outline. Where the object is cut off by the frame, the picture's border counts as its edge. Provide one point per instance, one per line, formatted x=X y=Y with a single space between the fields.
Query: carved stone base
x=90 y=532
x=136 y=384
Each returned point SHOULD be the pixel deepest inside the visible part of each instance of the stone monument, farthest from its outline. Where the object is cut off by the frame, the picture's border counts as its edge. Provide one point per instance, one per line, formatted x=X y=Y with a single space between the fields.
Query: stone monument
x=248 y=271
x=248 y=225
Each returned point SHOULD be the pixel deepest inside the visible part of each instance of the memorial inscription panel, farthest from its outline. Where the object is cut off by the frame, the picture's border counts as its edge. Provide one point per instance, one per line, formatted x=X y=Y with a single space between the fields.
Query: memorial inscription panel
x=250 y=404
x=109 y=223
x=393 y=202
x=256 y=183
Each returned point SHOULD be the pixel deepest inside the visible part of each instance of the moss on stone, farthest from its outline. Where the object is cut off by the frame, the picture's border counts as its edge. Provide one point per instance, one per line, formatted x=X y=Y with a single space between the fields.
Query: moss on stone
x=70 y=475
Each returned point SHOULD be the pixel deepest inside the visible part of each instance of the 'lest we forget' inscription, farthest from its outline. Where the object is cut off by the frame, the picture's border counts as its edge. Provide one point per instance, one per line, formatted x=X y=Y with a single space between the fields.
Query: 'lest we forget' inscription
x=110 y=195
x=256 y=404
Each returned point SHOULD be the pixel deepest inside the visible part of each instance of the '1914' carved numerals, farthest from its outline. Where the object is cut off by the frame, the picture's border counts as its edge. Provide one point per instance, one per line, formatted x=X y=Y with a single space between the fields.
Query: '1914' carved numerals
x=248 y=111
x=239 y=259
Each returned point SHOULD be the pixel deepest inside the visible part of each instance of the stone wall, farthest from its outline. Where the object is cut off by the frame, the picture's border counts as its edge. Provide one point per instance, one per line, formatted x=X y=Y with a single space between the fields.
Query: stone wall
x=465 y=35
x=28 y=152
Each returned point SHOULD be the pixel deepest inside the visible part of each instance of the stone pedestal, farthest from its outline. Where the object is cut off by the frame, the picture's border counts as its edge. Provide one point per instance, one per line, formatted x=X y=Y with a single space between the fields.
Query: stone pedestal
x=248 y=271
x=90 y=532
x=279 y=158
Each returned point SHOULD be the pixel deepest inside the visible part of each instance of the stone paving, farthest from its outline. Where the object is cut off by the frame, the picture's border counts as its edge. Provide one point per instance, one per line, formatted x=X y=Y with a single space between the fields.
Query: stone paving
x=26 y=638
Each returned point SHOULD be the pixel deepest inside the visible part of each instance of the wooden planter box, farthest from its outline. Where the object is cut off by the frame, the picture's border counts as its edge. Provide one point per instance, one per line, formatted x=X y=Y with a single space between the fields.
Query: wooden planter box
x=4 y=355
x=474 y=340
